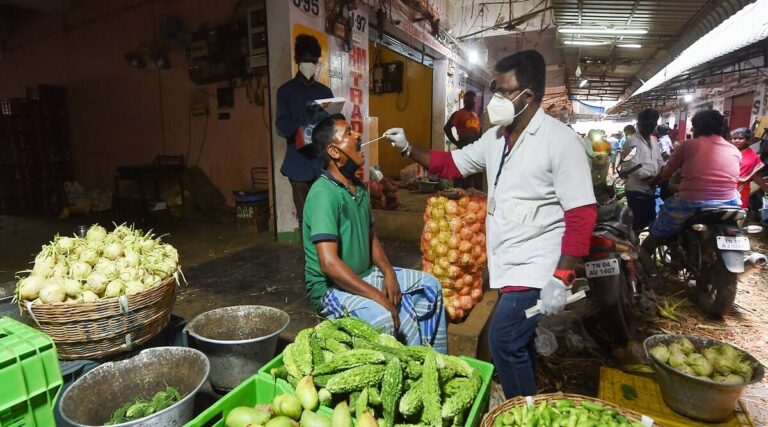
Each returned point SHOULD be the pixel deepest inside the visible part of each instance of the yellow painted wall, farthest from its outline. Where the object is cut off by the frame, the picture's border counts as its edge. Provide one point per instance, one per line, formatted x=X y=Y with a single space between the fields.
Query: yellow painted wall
x=415 y=101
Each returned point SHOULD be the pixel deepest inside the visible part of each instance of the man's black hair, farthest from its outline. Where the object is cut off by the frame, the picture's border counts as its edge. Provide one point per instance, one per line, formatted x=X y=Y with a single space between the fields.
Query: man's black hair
x=742 y=132
x=530 y=71
x=322 y=137
x=307 y=44
x=629 y=128
x=662 y=129
x=708 y=122
x=646 y=121
x=470 y=94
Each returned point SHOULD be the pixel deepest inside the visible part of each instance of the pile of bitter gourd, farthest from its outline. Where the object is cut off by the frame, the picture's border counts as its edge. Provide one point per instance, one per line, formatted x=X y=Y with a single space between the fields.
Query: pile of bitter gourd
x=402 y=385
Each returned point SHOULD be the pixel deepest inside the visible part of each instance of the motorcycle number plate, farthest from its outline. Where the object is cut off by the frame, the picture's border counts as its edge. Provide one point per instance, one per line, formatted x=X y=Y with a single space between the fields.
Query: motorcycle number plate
x=602 y=268
x=731 y=243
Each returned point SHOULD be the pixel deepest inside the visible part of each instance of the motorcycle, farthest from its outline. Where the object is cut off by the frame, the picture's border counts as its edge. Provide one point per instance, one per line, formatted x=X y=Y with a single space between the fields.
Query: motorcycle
x=711 y=251
x=612 y=268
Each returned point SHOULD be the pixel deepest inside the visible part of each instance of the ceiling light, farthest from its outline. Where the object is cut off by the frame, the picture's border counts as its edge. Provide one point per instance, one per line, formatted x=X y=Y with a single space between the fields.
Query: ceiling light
x=630 y=45
x=688 y=98
x=583 y=83
x=603 y=31
x=585 y=42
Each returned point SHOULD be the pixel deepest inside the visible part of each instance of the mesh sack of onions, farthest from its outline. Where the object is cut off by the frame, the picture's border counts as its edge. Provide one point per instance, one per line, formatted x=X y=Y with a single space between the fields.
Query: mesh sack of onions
x=453 y=249
x=75 y=270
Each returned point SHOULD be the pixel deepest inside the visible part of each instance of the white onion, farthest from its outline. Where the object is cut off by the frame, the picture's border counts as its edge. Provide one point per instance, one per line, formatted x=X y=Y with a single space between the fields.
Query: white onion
x=43 y=265
x=114 y=289
x=147 y=245
x=80 y=270
x=106 y=267
x=129 y=273
x=29 y=287
x=97 y=282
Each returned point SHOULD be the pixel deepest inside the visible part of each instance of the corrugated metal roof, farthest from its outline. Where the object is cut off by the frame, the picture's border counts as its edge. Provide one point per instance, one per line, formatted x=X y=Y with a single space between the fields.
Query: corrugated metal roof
x=613 y=71
x=745 y=27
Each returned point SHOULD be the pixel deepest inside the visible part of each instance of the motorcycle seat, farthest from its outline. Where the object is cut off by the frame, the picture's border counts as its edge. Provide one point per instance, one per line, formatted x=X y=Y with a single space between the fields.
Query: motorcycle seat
x=715 y=214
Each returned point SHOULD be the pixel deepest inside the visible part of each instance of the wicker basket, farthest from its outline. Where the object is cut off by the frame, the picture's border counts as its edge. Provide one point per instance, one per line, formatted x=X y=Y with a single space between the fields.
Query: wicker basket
x=551 y=398
x=106 y=327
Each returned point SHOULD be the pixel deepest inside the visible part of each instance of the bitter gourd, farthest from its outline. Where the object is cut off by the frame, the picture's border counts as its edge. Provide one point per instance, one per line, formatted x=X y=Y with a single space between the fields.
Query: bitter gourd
x=349 y=359
x=355 y=379
x=391 y=390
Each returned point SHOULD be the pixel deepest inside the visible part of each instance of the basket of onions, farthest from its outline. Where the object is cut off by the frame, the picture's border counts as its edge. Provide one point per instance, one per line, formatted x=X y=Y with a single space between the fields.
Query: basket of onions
x=102 y=294
x=453 y=248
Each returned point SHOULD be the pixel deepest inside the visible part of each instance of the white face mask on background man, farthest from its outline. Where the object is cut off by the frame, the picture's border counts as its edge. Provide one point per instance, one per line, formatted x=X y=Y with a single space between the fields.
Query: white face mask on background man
x=501 y=111
x=307 y=69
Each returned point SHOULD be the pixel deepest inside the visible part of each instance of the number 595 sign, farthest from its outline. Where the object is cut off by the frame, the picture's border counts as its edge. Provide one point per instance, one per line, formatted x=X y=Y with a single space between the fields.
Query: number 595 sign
x=311 y=7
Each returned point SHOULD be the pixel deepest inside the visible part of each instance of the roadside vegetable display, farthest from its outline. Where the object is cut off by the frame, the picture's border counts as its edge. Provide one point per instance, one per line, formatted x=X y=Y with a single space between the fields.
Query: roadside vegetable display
x=75 y=270
x=348 y=362
x=453 y=249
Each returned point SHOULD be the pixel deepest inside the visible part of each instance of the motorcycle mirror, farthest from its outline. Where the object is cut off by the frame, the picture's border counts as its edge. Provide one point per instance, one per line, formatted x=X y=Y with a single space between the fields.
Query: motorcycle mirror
x=631 y=155
x=753 y=229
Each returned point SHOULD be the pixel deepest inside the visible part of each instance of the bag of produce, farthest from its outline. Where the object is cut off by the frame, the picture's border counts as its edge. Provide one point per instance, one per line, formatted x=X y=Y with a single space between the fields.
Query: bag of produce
x=453 y=248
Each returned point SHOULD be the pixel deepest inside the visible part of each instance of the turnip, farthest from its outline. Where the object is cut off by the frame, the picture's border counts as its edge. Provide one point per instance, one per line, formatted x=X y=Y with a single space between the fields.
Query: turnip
x=686 y=346
x=734 y=379
x=128 y=273
x=52 y=291
x=113 y=251
x=60 y=270
x=676 y=359
x=79 y=270
x=686 y=370
x=700 y=365
x=147 y=245
x=72 y=287
x=29 y=287
x=114 y=289
x=97 y=282
x=96 y=233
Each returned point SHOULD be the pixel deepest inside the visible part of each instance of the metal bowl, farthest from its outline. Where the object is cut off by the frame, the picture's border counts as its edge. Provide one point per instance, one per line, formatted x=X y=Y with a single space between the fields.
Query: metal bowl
x=92 y=399
x=698 y=398
x=238 y=340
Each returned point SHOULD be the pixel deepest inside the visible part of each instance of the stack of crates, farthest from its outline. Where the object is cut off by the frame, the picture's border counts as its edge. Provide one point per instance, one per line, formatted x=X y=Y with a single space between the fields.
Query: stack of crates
x=35 y=155
x=30 y=376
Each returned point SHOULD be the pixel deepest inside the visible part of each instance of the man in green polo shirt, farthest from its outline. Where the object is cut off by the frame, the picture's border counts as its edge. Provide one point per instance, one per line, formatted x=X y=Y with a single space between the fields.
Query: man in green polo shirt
x=347 y=271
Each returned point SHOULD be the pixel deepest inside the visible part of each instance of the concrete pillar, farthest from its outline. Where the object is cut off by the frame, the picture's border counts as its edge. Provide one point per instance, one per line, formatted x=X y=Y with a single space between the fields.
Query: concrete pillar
x=439 y=93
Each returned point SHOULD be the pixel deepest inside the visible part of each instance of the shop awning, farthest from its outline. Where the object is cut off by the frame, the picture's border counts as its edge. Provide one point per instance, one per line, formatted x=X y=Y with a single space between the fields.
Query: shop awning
x=745 y=27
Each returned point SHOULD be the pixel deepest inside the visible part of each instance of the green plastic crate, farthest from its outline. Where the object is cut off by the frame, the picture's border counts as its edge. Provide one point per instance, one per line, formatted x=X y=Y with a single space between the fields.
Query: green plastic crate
x=30 y=375
x=257 y=390
x=475 y=414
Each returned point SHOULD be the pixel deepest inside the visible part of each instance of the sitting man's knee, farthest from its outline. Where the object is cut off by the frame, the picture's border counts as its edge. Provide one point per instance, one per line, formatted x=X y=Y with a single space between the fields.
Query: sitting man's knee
x=380 y=318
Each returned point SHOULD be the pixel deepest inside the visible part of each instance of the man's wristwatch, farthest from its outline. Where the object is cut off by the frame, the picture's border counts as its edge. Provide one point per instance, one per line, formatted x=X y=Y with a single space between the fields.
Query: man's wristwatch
x=407 y=151
x=566 y=276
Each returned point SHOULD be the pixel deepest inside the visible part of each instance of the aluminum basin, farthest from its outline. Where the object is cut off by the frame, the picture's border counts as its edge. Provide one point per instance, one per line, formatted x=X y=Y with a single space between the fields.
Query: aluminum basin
x=238 y=341
x=698 y=398
x=92 y=399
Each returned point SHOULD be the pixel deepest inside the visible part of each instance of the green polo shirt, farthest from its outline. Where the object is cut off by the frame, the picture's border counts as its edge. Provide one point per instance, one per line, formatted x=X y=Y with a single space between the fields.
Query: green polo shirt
x=331 y=212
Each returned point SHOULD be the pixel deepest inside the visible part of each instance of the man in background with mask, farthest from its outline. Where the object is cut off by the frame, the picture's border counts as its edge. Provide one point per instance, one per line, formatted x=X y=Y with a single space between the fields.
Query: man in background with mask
x=300 y=167
x=640 y=187
x=346 y=268
x=541 y=209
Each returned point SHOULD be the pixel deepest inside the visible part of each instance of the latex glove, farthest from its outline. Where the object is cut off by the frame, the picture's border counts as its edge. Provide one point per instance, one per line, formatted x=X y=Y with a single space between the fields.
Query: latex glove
x=553 y=297
x=397 y=139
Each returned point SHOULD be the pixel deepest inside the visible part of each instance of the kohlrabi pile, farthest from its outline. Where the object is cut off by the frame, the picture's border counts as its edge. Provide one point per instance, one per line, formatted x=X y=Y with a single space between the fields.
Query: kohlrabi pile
x=76 y=270
x=720 y=363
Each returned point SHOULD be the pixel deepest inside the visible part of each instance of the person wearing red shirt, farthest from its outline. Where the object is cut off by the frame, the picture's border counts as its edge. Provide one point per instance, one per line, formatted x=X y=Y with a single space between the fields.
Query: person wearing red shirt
x=750 y=165
x=467 y=125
